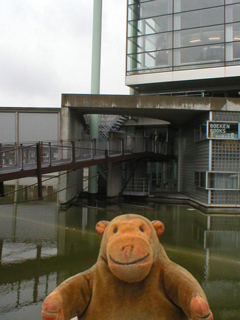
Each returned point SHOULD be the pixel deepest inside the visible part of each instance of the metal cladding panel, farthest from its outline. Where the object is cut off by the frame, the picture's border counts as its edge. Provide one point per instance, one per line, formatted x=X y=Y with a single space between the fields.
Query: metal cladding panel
x=38 y=126
x=7 y=127
x=194 y=158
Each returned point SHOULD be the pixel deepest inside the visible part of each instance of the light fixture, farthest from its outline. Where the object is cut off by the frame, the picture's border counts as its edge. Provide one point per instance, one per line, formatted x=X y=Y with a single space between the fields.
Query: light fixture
x=214 y=38
x=236 y=38
x=195 y=40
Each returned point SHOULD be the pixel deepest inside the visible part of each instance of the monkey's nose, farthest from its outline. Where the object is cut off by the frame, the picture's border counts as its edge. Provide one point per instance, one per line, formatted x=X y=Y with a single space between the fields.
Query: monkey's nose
x=124 y=248
x=127 y=251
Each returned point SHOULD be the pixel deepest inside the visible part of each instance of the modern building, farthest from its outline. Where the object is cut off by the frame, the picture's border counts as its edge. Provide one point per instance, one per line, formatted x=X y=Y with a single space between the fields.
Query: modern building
x=182 y=46
x=183 y=62
x=192 y=48
x=190 y=52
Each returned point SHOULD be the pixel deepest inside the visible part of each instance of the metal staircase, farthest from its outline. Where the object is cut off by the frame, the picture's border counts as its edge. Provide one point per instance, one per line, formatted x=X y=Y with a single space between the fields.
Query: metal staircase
x=106 y=124
x=104 y=129
x=115 y=125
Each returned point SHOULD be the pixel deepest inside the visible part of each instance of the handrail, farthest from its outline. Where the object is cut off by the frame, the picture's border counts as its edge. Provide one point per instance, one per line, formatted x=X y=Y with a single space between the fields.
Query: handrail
x=56 y=153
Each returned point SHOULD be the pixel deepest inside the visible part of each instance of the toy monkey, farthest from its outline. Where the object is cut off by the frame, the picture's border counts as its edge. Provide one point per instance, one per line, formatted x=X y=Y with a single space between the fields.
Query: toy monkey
x=133 y=279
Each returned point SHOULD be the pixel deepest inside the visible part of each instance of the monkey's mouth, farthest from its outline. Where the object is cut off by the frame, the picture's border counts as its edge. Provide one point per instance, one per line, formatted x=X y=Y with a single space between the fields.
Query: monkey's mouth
x=129 y=263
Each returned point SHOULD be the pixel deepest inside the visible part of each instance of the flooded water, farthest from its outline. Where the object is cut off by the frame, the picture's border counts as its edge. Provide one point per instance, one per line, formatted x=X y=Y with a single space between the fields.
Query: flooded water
x=42 y=245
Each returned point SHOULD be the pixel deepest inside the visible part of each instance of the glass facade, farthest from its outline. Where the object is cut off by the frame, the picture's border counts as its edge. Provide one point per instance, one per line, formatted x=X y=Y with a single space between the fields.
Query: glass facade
x=168 y=35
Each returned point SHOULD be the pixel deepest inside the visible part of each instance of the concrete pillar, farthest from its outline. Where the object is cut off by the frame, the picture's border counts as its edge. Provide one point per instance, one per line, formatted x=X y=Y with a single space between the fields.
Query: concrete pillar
x=114 y=180
x=71 y=128
x=140 y=177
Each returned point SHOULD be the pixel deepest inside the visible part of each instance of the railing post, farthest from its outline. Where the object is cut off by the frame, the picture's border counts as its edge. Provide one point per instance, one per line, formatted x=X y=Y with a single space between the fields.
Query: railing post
x=1 y=189
x=16 y=154
x=122 y=146
x=108 y=146
x=50 y=154
x=1 y=156
x=1 y=164
x=42 y=151
x=22 y=156
x=39 y=170
x=107 y=160
x=73 y=151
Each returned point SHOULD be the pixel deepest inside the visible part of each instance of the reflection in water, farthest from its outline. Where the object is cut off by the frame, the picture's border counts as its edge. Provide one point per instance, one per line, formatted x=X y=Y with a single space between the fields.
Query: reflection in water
x=41 y=245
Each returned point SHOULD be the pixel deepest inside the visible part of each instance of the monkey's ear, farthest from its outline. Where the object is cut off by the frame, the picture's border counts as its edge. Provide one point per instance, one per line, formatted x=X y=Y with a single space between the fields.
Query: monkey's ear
x=159 y=227
x=101 y=226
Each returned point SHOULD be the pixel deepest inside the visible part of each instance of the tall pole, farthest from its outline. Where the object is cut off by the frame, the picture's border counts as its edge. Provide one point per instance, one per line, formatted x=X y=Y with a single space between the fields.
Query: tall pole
x=95 y=84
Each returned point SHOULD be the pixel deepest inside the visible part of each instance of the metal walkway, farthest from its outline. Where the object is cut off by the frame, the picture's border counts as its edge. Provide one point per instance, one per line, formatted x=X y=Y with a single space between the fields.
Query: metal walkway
x=36 y=159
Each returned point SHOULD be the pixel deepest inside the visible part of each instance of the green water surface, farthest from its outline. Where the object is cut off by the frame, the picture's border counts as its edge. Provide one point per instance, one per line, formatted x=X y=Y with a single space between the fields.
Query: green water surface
x=41 y=245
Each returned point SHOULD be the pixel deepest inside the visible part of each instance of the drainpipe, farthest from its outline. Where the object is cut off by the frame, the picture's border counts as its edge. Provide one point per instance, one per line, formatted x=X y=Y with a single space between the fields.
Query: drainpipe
x=95 y=86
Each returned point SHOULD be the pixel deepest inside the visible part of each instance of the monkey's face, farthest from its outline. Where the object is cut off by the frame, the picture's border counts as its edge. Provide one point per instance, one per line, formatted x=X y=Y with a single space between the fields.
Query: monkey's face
x=129 y=249
x=129 y=252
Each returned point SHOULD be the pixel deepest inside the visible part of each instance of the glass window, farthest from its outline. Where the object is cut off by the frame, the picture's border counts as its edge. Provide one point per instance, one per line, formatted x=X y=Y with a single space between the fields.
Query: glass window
x=199 y=36
x=149 y=43
x=233 y=52
x=233 y=32
x=236 y=50
x=137 y=1
x=134 y=12
x=199 y=18
x=196 y=179
x=200 y=179
x=233 y=13
x=223 y=181
x=185 y=5
x=154 y=61
x=155 y=8
x=151 y=25
x=232 y=1
x=164 y=58
x=199 y=55
x=200 y=132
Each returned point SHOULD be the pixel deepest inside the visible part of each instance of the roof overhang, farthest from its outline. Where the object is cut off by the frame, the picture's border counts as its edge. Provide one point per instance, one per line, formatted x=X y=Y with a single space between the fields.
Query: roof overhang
x=177 y=110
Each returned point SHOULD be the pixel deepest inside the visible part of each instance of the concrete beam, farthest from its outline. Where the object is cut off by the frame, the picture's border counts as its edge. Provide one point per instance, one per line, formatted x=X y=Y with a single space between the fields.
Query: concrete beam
x=176 y=110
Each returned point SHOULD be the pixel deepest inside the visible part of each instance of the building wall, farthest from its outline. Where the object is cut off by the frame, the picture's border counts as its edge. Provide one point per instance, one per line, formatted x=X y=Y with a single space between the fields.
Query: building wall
x=20 y=125
x=193 y=158
x=218 y=159
x=225 y=165
x=7 y=127
x=23 y=125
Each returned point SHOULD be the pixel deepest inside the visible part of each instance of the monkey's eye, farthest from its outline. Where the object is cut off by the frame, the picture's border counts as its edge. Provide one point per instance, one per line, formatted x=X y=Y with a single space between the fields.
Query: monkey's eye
x=115 y=230
x=141 y=229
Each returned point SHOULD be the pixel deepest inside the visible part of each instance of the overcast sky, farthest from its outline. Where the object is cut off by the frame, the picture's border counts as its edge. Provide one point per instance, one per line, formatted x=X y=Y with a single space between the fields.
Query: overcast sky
x=45 y=50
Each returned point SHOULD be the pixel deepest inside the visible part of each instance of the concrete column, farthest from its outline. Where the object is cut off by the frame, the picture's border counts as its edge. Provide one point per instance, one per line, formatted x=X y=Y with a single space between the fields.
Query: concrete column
x=114 y=180
x=140 y=177
x=71 y=128
x=95 y=84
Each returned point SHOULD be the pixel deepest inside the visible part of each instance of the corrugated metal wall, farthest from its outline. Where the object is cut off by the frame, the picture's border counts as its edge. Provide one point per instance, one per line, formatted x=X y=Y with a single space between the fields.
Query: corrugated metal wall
x=194 y=158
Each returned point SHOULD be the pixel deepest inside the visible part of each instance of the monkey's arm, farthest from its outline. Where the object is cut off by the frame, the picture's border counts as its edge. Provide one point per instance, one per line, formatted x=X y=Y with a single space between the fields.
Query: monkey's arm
x=184 y=290
x=70 y=298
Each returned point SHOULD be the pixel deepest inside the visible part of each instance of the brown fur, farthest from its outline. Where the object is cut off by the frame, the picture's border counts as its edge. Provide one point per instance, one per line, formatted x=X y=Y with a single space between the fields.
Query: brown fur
x=133 y=279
